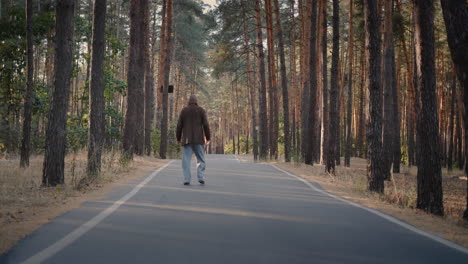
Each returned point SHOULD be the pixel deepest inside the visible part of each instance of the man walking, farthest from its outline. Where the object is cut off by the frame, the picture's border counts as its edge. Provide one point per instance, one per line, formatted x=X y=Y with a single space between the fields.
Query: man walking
x=193 y=132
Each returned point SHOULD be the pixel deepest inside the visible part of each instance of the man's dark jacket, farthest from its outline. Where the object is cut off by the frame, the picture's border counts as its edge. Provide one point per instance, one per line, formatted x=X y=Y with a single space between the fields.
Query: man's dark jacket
x=193 y=127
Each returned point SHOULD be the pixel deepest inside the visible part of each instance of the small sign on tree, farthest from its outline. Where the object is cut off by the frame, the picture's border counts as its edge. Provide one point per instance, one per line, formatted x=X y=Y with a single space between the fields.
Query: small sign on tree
x=169 y=90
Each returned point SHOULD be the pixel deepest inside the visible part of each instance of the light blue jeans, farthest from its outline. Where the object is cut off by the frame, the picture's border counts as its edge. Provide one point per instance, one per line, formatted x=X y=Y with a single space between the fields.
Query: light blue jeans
x=199 y=151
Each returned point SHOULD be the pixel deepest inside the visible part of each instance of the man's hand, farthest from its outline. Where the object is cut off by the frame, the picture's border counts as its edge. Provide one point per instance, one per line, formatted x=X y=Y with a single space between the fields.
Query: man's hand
x=178 y=142
x=207 y=142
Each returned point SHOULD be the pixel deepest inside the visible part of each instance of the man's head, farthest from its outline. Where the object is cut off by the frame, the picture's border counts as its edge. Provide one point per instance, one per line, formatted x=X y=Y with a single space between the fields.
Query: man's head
x=193 y=100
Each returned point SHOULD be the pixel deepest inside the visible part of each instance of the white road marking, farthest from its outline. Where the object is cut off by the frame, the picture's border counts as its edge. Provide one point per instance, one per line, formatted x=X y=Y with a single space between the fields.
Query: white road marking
x=77 y=233
x=386 y=217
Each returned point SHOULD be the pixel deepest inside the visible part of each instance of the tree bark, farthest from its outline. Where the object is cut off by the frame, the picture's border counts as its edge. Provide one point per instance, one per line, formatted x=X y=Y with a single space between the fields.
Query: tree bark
x=273 y=82
x=451 y=124
x=349 y=105
x=262 y=95
x=325 y=105
x=388 y=82
x=162 y=48
x=373 y=83
x=96 y=91
x=459 y=138
x=284 y=84
x=26 y=142
x=456 y=18
x=142 y=50
x=334 y=93
x=362 y=119
x=295 y=91
x=250 y=83
x=54 y=157
x=149 y=83
x=429 y=178
x=305 y=84
x=396 y=156
x=135 y=80
x=167 y=68
x=311 y=120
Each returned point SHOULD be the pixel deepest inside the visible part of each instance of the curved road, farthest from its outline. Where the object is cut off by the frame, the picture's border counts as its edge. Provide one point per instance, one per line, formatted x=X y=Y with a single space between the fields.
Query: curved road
x=246 y=213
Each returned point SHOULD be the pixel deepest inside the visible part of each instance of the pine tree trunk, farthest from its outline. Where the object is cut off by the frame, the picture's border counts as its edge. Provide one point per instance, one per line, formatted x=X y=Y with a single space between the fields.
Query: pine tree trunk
x=96 y=91
x=135 y=80
x=54 y=157
x=362 y=121
x=305 y=85
x=140 y=121
x=340 y=111
x=459 y=137
x=284 y=84
x=149 y=84
x=349 y=105
x=374 y=124
x=250 y=84
x=162 y=48
x=334 y=93
x=263 y=133
x=429 y=178
x=388 y=82
x=396 y=156
x=451 y=124
x=325 y=105
x=295 y=91
x=312 y=109
x=456 y=18
x=167 y=68
x=272 y=81
x=26 y=142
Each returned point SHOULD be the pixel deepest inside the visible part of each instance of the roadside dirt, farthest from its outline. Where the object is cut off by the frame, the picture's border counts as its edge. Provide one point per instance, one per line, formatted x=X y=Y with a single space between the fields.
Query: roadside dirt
x=25 y=205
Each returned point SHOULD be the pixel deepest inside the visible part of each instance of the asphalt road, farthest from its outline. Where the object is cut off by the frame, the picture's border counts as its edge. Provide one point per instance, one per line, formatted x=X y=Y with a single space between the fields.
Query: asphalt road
x=246 y=213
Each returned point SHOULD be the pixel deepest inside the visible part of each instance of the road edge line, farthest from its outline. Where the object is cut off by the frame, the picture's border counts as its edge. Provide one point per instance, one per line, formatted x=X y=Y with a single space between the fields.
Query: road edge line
x=84 y=228
x=389 y=218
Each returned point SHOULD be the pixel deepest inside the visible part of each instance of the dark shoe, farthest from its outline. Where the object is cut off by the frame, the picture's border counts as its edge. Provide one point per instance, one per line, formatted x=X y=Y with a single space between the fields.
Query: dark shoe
x=186 y=183
x=202 y=182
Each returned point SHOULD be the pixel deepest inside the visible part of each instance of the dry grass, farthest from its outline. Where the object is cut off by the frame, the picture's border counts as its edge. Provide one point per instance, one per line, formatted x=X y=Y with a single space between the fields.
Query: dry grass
x=25 y=204
x=399 y=198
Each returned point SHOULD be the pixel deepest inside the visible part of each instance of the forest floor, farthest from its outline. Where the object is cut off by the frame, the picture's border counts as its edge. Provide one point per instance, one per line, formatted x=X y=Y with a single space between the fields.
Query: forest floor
x=25 y=205
x=399 y=199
